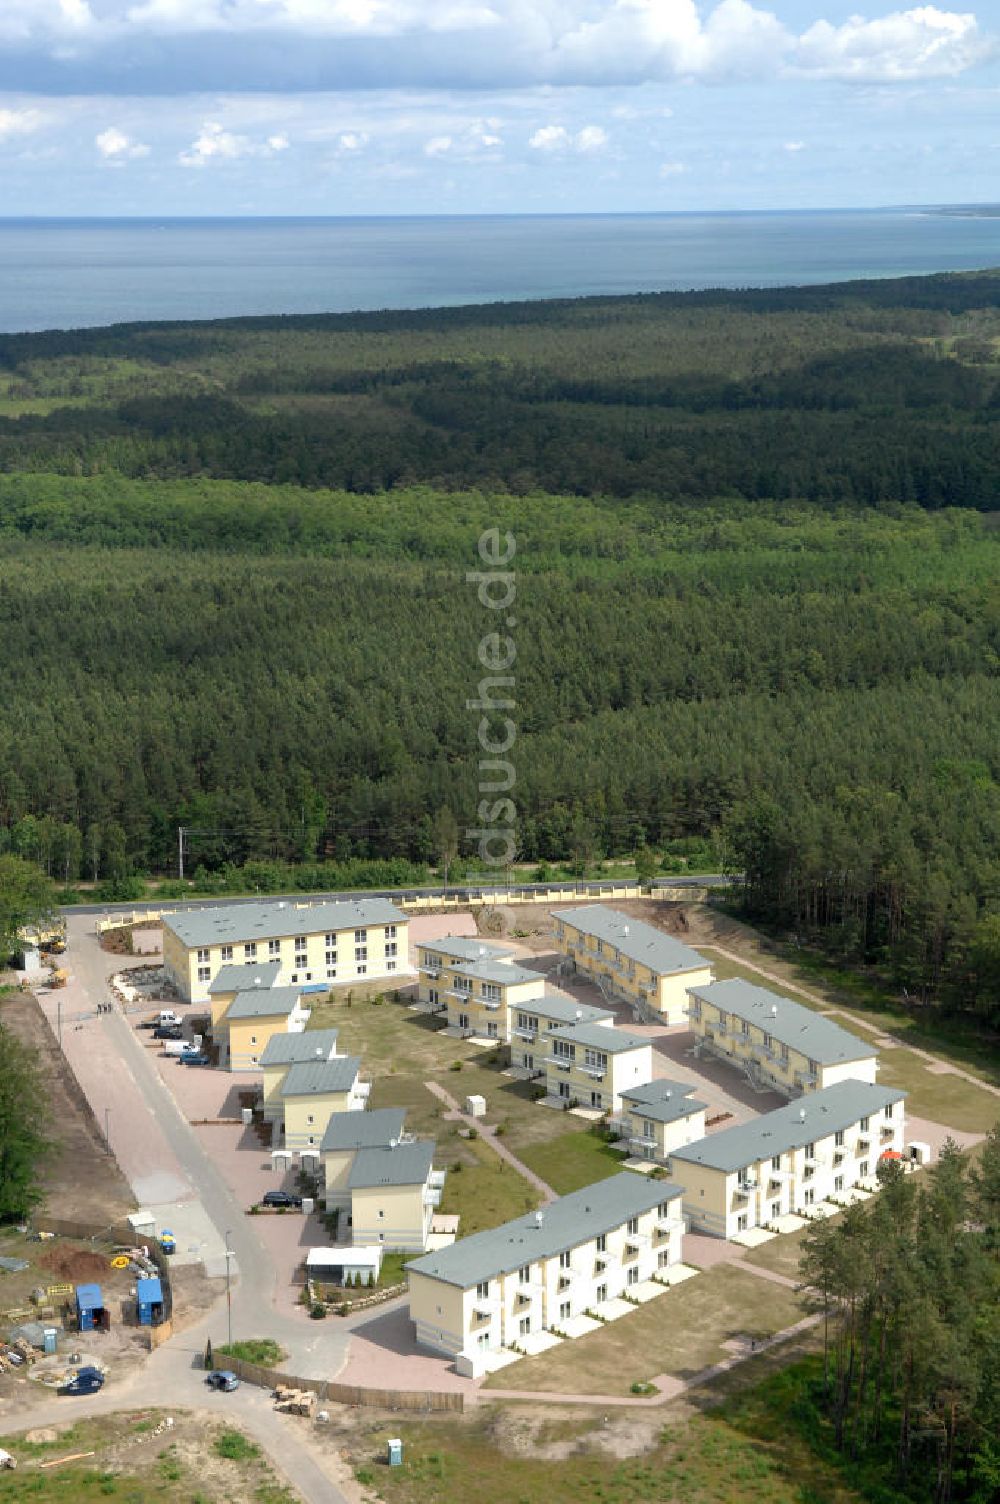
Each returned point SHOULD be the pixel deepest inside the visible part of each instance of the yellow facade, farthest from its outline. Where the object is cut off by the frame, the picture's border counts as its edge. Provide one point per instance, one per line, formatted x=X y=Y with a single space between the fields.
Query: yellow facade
x=315 y=949
x=397 y=1217
x=649 y=1138
x=483 y=1006
x=248 y=1039
x=652 y=992
x=305 y=1118
x=586 y=1072
x=503 y=1308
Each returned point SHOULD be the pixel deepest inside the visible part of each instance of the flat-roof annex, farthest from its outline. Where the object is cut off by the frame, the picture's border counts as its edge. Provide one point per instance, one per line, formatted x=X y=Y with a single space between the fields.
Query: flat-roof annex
x=241 y=978
x=292 y=1049
x=263 y=1002
x=662 y=1101
x=375 y=1129
x=401 y=1164
x=313 y=1077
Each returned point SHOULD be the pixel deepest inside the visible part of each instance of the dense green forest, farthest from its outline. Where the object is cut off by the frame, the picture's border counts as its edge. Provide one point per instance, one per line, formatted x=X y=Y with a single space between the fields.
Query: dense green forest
x=757 y=605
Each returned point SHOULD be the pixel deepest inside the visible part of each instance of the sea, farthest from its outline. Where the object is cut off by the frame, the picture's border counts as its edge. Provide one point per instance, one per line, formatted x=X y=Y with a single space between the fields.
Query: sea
x=72 y=273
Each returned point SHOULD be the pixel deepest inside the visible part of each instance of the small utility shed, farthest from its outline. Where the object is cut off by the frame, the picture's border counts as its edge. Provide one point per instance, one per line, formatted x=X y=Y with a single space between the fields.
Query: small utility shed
x=336 y=1266
x=149 y=1301
x=91 y=1315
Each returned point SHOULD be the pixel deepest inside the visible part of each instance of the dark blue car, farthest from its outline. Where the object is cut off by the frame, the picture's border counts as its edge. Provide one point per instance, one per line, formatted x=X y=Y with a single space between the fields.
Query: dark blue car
x=87 y=1381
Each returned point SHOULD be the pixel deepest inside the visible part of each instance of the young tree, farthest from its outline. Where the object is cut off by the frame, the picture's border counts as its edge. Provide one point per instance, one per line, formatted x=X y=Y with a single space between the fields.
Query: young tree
x=23 y=1122
x=26 y=897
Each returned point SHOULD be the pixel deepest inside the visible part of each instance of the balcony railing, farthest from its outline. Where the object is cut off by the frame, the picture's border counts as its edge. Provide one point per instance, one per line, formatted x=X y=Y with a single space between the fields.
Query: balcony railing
x=560 y=1062
x=598 y=1072
x=527 y=1034
x=645 y=1140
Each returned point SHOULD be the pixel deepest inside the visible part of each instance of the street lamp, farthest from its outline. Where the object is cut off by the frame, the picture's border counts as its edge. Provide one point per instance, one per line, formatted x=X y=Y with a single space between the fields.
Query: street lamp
x=107 y=1128
x=229 y=1298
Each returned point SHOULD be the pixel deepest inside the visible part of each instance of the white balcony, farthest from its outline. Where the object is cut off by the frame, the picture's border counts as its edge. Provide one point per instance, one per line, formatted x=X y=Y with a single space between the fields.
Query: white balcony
x=560 y=1062
x=644 y=1140
x=491 y=1006
x=596 y=1072
x=530 y=1035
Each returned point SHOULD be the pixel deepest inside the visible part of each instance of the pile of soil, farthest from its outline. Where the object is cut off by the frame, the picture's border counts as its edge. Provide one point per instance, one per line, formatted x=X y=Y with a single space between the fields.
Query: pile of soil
x=81 y=1265
x=117 y=941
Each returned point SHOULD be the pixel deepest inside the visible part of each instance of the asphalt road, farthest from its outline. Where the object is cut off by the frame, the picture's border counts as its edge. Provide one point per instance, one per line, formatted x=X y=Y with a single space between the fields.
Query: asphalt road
x=469 y=894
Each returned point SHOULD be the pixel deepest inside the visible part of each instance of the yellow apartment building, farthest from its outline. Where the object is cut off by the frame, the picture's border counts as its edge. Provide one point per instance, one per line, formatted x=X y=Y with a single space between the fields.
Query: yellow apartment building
x=317 y=946
x=529 y=1025
x=589 y=1065
x=233 y=979
x=544 y=1271
x=394 y=1190
x=346 y=1134
x=281 y=1052
x=480 y=996
x=435 y=957
x=659 y=1117
x=251 y=1020
x=775 y=1042
x=631 y=960
x=790 y=1160
x=313 y=1091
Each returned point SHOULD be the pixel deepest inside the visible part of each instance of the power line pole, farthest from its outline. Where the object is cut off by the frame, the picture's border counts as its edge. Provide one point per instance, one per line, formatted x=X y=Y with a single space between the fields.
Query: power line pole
x=180 y=852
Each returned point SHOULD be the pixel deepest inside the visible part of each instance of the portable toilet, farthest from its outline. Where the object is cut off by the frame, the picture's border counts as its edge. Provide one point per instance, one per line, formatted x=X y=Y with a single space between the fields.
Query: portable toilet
x=475 y=1107
x=394 y=1452
x=50 y=1337
x=149 y=1301
x=90 y=1313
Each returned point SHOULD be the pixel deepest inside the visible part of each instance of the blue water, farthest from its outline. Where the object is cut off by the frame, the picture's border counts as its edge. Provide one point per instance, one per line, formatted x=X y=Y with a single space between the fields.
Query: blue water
x=69 y=273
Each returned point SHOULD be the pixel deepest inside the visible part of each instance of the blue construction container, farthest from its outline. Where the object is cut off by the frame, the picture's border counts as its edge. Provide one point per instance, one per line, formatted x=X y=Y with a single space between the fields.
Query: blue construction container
x=394 y=1452
x=90 y=1313
x=149 y=1301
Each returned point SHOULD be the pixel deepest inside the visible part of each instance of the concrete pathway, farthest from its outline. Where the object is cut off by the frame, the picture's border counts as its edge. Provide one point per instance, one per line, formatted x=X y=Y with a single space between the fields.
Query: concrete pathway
x=488 y=1136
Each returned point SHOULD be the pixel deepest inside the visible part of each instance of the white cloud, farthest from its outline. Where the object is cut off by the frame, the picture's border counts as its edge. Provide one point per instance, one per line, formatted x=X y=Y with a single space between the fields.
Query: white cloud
x=215 y=143
x=115 y=146
x=21 y=20
x=922 y=43
x=795 y=146
x=672 y=169
x=438 y=146
x=557 y=138
x=352 y=140
x=20 y=122
x=591 y=138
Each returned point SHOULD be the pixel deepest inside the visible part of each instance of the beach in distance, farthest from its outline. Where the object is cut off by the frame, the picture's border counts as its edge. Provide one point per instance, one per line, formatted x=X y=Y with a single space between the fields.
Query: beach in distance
x=72 y=273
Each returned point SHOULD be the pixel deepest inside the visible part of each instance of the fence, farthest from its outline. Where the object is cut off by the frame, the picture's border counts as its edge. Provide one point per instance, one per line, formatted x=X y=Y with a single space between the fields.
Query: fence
x=116 y=1233
x=347 y=1394
x=462 y=898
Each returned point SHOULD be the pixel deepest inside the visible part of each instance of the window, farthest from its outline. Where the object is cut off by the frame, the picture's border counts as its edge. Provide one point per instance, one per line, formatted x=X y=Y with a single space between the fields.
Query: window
x=331 y=958
x=768 y=1042
x=810 y=1196
x=602 y=1294
x=491 y=1030
x=361 y=953
x=776 y=1162
x=863 y=1170
x=663 y=1258
x=331 y=972
x=203 y=954
x=525 y=1326
x=632 y=1226
x=204 y=973
x=433 y=996
x=381 y=1216
x=888 y=1111
x=597 y=1101
x=775 y=1209
x=565 y=1310
x=295 y=976
x=838 y=1138
x=390 y=932
x=810 y=1151
x=597 y=1060
x=632 y=1277
x=838 y=1184
x=390 y=966
x=390 y=949
x=274 y=949
x=784 y=1053
x=300 y=941
x=331 y=940
x=227 y=952
x=863 y=1125
x=564 y=1050
x=564 y=1260
x=360 y=937
x=663 y=1210
x=745 y=1028
x=524 y=1274
x=602 y=1242
x=742 y=1222
x=309 y=1117
x=362 y=968
x=250 y=950
x=491 y=992
x=483 y=1290
x=648 y=1131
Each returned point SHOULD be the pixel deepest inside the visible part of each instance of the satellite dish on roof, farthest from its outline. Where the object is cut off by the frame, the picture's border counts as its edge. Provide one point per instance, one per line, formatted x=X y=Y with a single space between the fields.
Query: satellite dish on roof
x=774 y=1010
x=539 y=1218
x=802 y=1114
x=319 y=1053
x=579 y=1012
x=625 y=930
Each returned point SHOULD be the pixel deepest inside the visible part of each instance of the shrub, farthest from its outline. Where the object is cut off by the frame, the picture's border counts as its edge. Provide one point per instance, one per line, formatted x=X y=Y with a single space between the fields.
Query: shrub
x=317 y=1310
x=456 y=1065
x=472 y=1133
x=236 y=1447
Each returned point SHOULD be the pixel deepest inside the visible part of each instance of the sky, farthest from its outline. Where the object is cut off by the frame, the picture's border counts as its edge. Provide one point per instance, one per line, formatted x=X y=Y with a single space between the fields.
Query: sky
x=284 y=107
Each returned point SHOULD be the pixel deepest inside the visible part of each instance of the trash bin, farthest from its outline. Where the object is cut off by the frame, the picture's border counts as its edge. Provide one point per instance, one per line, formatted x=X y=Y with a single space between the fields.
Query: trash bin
x=50 y=1336
x=308 y=1203
x=394 y=1452
x=247 y=1115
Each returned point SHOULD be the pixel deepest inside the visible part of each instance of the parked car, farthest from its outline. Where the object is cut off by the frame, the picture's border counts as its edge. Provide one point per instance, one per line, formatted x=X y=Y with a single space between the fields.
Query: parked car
x=87 y=1381
x=280 y=1198
x=183 y=1047
x=196 y=1059
x=223 y=1378
x=168 y=1031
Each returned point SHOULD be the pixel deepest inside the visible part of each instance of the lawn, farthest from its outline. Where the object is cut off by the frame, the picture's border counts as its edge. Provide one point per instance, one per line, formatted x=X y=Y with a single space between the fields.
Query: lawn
x=509 y=1457
x=781 y=1254
x=679 y=1333
x=573 y=1160
x=943 y=1098
x=196 y=1462
x=485 y=1191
